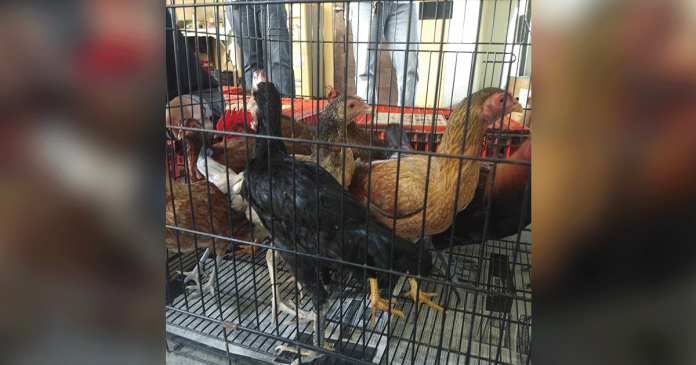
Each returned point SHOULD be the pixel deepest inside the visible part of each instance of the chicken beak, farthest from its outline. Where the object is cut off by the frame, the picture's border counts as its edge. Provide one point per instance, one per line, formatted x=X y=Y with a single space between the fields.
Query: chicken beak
x=517 y=108
x=367 y=108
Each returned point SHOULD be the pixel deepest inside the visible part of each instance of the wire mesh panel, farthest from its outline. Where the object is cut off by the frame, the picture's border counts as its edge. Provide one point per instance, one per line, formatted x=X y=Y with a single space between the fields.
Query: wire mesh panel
x=396 y=139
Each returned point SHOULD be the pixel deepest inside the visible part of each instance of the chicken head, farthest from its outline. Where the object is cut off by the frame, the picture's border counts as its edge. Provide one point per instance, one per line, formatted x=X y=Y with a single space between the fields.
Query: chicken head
x=351 y=108
x=493 y=106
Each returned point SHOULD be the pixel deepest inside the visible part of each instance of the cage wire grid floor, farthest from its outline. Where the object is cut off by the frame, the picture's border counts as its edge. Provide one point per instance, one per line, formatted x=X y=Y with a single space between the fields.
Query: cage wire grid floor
x=500 y=332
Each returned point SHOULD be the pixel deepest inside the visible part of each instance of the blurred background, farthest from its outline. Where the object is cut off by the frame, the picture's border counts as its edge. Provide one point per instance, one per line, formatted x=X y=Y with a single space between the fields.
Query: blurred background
x=81 y=86
x=615 y=182
x=614 y=196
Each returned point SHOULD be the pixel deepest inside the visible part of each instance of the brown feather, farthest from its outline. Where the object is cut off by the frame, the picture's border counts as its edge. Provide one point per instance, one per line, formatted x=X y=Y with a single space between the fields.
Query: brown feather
x=235 y=148
x=357 y=135
x=442 y=175
x=180 y=202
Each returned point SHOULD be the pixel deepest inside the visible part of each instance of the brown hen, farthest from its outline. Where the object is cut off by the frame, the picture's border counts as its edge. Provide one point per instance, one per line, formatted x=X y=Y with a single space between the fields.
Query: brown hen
x=193 y=211
x=481 y=109
x=486 y=107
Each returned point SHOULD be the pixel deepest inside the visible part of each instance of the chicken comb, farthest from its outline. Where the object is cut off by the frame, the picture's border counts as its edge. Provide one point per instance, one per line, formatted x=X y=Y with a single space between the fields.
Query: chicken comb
x=234 y=121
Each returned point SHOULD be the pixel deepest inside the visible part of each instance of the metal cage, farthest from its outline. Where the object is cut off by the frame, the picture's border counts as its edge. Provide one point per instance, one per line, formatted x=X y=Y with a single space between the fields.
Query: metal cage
x=462 y=46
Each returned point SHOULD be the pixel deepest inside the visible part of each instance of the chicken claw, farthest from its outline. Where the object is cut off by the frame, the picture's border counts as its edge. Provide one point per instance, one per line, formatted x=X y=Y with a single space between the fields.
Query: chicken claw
x=245 y=249
x=192 y=276
x=422 y=296
x=208 y=287
x=303 y=316
x=380 y=303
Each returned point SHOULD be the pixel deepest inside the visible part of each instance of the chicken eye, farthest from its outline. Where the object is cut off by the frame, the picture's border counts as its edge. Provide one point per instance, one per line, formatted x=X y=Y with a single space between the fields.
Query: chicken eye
x=501 y=100
x=351 y=105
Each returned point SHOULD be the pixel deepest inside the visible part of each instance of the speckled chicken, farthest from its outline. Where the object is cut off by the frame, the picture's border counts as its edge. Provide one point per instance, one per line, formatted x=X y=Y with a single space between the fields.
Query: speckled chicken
x=330 y=126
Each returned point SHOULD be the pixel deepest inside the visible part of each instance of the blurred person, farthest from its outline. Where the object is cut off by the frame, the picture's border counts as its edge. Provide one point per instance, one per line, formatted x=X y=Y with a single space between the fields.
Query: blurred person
x=80 y=92
x=396 y=21
x=261 y=34
x=188 y=82
x=614 y=188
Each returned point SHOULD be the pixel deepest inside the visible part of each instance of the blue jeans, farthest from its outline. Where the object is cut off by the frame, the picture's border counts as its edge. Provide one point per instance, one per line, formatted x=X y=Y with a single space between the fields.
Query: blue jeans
x=261 y=33
x=397 y=21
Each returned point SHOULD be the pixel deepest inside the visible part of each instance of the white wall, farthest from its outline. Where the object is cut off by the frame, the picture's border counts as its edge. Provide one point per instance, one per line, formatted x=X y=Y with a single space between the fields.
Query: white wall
x=460 y=47
x=497 y=26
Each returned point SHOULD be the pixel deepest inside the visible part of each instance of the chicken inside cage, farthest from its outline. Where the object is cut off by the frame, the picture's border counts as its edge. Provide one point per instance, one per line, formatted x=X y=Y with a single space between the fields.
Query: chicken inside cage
x=382 y=219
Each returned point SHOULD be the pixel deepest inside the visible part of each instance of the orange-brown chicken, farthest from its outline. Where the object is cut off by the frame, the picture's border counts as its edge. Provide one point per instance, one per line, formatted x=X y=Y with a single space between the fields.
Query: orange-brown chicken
x=486 y=107
x=179 y=213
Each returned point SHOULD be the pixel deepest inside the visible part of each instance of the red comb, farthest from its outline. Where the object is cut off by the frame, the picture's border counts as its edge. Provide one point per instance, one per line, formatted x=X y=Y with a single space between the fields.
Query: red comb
x=333 y=93
x=233 y=121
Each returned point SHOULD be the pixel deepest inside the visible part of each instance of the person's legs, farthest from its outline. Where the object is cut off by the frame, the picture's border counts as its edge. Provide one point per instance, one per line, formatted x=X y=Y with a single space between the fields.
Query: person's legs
x=367 y=26
x=273 y=23
x=401 y=28
x=248 y=38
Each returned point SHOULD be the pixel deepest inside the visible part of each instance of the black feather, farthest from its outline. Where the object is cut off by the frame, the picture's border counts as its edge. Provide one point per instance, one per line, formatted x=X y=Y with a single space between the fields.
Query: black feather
x=287 y=199
x=396 y=138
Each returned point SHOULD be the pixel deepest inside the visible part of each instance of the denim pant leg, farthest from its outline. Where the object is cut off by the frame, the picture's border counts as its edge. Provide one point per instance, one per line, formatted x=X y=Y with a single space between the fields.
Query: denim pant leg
x=277 y=48
x=403 y=15
x=247 y=37
x=367 y=27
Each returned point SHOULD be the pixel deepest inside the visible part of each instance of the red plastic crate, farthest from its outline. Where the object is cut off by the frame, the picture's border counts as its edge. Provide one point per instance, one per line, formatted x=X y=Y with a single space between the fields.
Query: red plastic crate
x=422 y=136
x=176 y=164
x=305 y=110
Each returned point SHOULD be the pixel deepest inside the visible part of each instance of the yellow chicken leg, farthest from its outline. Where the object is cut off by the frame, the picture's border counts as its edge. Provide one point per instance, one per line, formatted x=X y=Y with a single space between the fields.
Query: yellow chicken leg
x=380 y=303
x=246 y=249
x=422 y=296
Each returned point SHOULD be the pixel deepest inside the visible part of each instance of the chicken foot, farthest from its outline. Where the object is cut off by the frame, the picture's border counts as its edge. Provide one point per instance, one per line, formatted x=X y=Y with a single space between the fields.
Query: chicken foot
x=209 y=286
x=243 y=249
x=282 y=305
x=319 y=323
x=193 y=275
x=381 y=303
x=421 y=297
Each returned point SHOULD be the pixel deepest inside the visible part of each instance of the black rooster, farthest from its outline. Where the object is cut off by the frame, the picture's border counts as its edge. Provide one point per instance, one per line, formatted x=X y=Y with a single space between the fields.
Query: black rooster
x=287 y=195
